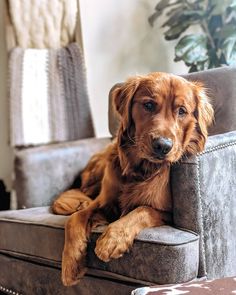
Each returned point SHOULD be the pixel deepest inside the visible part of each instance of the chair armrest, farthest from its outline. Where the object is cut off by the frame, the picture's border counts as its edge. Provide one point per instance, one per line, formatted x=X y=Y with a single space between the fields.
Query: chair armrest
x=204 y=201
x=41 y=173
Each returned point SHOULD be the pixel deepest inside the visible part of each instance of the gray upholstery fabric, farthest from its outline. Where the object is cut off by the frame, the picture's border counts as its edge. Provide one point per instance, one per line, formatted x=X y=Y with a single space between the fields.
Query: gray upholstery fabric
x=44 y=172
x=29 y=278
x=155 y=260
x=204 y=190
x=160 y=255
x=221 y=87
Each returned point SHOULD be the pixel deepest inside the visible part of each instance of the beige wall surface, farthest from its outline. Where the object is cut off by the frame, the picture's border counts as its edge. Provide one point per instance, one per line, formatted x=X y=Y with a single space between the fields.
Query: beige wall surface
x=119 y=42
x=5 y=150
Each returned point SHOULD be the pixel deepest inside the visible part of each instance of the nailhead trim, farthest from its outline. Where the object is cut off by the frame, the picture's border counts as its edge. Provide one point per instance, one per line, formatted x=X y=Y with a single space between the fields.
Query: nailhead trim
x=219 y=147
x=201 y=214
x=9 y=291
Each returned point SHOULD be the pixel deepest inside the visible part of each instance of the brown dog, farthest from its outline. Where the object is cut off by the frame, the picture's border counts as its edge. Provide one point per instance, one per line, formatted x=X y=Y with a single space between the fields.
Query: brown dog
x=163 y=117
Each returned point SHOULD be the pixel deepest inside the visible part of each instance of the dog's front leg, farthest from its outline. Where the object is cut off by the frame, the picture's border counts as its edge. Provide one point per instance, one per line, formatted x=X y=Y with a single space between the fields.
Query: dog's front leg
x=77 y=231
x=119 y=235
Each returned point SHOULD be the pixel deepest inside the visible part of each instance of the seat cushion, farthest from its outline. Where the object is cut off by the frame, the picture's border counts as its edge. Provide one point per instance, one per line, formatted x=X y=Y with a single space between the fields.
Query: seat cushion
x=159 y=255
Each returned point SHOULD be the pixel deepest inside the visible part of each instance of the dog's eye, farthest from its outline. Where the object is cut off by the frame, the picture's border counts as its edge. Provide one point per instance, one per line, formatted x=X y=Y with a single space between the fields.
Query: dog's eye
x=149 y=106
x=182 y=111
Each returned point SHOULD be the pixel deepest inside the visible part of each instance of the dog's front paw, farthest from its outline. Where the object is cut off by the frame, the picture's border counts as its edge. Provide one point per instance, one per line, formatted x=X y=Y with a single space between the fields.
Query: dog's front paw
x=73 y=263
x=73 y=269
x=74 y=252
x=113 y=243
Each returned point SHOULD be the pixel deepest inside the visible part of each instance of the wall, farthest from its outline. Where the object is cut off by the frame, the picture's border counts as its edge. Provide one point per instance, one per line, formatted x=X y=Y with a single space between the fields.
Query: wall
x=5 y=150
x=119 y=42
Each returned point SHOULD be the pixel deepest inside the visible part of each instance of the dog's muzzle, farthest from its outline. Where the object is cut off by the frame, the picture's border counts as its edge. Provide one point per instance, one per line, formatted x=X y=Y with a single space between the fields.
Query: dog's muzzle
x=161 y=147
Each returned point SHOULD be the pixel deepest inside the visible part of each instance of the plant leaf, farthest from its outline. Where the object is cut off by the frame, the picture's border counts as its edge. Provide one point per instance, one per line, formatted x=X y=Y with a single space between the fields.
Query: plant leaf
x=226 y=31
x=229 y=50
x=215 y=23
x=174 y=18
x=192 y=69
x=162 y=4
x=219 y=6
x=187 y=16
x=201 y=66
x=192 y=49
x=174 y=10
x=176 y=31
x=152 y=18
x=159 y=9
x=233 y=3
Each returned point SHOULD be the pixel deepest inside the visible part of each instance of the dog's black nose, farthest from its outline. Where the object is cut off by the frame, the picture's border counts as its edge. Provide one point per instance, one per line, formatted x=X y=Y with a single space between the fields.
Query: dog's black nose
x=162 y=146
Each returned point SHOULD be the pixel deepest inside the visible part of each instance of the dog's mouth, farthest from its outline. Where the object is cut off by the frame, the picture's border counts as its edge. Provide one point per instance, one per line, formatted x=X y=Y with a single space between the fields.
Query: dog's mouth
x=151 y=156
x=157 y=159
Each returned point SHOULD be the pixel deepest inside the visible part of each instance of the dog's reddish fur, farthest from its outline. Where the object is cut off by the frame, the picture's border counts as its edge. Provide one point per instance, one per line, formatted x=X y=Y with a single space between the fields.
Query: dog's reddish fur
x=126 y=184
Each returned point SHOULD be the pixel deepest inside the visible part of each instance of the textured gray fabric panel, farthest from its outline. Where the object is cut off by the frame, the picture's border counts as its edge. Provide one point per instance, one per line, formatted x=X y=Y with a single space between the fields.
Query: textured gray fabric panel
x=160 y=255
x=38 y=216
x=220 y=141
x=204 y=190
x=186 y=203
x=44 y=172
x=28 y=278
x=221 y=87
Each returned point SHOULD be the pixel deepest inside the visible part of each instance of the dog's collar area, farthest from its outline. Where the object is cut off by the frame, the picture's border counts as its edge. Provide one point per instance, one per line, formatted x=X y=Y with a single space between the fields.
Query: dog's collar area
x=142 y=171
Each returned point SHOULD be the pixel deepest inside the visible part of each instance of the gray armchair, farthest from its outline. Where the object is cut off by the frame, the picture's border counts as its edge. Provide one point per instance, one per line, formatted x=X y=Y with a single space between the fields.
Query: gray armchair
x=201 y=242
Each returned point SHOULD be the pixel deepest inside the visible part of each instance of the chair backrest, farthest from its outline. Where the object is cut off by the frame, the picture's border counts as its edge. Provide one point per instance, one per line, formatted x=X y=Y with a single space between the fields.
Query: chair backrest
x=221 y=87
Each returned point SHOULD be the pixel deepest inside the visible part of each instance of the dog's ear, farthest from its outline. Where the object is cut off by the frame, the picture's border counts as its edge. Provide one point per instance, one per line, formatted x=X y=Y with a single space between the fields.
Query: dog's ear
x=204 y=115
x=122 y=96
x=122 y=100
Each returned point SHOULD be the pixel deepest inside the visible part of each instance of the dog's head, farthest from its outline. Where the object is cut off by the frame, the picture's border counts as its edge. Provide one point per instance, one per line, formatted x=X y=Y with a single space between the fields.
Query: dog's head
x=163 y=116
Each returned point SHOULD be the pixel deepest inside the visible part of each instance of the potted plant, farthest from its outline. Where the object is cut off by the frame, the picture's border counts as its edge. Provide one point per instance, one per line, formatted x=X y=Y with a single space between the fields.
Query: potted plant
x=214 y=45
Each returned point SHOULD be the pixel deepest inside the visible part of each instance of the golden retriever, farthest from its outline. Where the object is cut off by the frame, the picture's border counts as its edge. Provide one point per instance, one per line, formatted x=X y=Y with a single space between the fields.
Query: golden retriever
x=162 y=118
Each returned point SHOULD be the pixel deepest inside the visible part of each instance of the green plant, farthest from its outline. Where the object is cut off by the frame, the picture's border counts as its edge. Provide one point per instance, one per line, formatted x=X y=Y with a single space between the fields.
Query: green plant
x=214 y=45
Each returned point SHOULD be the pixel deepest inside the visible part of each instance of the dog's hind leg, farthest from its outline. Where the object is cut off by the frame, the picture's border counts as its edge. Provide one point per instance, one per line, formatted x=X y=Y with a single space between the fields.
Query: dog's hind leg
x=70 y=201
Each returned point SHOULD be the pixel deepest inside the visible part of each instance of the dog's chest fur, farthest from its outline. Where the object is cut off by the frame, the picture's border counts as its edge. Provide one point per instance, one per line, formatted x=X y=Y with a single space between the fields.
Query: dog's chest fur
x=153 y=191
x=145 y=184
